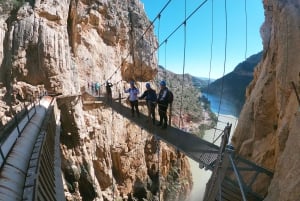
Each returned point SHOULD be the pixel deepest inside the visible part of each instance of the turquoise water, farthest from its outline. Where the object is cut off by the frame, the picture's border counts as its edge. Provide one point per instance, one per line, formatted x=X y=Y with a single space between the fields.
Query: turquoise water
x=224 y=106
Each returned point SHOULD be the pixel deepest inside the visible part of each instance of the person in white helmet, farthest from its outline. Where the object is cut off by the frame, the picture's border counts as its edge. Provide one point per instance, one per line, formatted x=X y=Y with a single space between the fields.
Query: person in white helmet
x=133 y=98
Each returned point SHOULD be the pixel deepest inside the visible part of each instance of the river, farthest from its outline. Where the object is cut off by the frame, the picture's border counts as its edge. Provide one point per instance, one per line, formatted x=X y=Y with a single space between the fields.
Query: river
x=225 y=108
x=201 y=176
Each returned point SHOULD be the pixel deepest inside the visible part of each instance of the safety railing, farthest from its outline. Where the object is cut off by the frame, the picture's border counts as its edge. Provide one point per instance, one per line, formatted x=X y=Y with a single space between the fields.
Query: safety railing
x=40 y=181
x=13 y=129
x=235 y=178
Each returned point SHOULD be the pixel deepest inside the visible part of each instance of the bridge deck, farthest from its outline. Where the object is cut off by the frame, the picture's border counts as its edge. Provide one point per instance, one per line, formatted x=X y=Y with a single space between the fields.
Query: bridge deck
x=203 y=152
x=196 y=148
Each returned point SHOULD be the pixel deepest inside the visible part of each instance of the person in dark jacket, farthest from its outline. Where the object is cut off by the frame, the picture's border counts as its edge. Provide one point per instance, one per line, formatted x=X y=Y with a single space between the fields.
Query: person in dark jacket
x=108 y=91
x=162 y=101
x=150 y=96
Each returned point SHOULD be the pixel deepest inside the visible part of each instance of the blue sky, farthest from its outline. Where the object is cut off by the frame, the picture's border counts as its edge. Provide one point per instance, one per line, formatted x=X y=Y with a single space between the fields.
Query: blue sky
x=199 y=34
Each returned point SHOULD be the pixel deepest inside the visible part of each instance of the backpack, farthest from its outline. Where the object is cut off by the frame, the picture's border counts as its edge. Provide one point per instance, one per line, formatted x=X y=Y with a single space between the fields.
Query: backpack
x=170 y=97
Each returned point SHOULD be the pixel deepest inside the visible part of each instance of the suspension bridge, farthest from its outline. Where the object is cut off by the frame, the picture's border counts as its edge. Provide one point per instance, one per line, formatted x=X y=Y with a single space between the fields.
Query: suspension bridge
x=29 y=148
x=30 y=163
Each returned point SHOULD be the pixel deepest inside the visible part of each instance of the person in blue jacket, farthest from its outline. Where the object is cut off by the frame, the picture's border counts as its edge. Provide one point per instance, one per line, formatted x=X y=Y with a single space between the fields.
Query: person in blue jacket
x=150 y=96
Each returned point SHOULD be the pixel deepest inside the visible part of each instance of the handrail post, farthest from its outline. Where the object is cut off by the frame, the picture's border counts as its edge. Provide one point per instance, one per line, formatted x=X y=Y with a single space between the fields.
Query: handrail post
x=26 y=110
x=17 y=124
x=33 y=102
x=2 y=155
x=297 y=95
x=237 y=175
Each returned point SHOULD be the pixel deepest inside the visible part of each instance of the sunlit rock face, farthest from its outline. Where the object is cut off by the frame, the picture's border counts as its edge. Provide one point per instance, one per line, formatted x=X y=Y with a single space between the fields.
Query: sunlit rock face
x=60 y=46
x=269 y=124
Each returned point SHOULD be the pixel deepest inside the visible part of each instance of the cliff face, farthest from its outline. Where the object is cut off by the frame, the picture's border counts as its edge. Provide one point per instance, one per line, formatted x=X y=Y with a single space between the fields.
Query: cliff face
x=269 y=124
x=59 y=46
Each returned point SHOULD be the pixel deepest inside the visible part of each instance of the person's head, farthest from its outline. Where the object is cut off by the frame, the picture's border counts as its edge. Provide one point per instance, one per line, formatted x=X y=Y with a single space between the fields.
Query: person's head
x=131 y=83
x=162 y=84
x=148 y=85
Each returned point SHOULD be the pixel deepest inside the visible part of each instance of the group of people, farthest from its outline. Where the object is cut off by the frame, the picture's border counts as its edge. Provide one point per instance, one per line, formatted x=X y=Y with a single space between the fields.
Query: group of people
x=152 y=99
x=95 y=88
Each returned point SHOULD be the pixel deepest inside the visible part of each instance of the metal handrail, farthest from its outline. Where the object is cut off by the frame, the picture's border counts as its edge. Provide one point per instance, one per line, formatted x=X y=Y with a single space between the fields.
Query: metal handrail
x=41 y=184
x=15 y=123
x=238 y=176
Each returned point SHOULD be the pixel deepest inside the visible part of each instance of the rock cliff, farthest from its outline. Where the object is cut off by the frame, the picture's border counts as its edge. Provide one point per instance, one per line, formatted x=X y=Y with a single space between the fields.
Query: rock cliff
x=60 y=46
x=269 y=124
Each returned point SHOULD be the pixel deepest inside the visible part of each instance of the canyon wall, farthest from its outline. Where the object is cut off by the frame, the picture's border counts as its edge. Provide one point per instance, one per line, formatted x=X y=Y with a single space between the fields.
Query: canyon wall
x=269 y=124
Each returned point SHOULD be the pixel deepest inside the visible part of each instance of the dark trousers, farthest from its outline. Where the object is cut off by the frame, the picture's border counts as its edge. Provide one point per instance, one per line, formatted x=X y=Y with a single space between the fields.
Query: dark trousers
x=162 y=110
x=134 y=104
x=151 y=110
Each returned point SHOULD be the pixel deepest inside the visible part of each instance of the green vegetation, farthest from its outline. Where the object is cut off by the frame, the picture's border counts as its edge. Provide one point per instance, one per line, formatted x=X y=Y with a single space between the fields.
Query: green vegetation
x=9 y=5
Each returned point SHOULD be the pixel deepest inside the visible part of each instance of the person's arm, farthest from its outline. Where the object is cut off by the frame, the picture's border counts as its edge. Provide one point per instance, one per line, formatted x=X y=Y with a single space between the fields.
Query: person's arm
x=126 y=90
x=143 y=96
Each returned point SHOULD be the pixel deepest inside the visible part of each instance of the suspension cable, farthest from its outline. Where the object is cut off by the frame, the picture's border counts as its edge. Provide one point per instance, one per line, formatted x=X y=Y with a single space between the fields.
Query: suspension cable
x=158 y=31
x=183 y=67
x=246 y=19
x=183 y=23
x=171 y=34
x=224 y=64
x=149 y=26
x=165 y=71
x=211 y=43
x=111 y=147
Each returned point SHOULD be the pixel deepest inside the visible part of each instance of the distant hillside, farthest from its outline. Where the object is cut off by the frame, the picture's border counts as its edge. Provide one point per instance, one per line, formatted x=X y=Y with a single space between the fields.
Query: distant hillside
x=200 y=82
x=236 y=82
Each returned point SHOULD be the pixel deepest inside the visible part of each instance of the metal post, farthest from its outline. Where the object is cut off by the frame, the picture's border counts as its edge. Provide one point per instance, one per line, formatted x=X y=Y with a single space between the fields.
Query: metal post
x=34 y=107
x=170 y=114
x=16 y=119
x=2 y=155
x=27 y=113
x=238 y=178
x=294 y=86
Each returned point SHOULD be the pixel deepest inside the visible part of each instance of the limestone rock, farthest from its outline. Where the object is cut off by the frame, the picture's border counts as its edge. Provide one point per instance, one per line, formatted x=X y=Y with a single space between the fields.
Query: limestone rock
x=266 y=132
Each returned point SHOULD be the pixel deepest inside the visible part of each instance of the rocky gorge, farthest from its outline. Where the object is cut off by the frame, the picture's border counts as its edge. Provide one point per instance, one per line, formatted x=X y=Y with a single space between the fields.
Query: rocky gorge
x=59 y=46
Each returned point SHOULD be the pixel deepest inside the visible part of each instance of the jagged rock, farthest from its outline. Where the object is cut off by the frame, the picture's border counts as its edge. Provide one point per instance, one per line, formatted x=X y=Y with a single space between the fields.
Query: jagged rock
x=266 y=132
